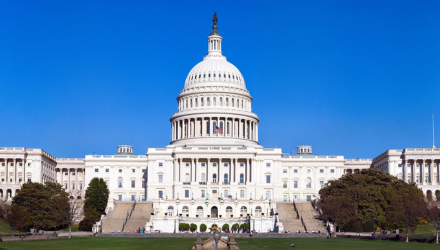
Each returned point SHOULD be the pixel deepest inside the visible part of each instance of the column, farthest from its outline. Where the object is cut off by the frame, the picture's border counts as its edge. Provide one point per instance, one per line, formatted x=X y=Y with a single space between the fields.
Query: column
x=245 y=134
x=220 y=173
x=207 y=172
x=210 y=126
x=192 y=170
x=431 y=172
x=68 y=180
x=195 y=169
x=76 y=180
x=172 y=131
x=422 y=174
x=235 y=169
x=24 y=170
x=247 y=170
x=7 y=172
x=15 y=171
x=174 y=171
x=196 y=127
x=180 y=169
x=178 y=130
x=232 y=127
x=238 y=128
x=256 y=137
x=405 y=171
x=253 y=170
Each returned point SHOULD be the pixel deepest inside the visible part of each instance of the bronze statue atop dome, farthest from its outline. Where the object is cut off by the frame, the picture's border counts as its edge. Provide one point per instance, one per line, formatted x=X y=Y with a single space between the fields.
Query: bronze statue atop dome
x=214 y=25
x=214 y=19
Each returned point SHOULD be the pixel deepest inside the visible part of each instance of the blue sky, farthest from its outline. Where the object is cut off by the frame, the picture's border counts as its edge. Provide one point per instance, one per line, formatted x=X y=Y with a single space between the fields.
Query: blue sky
x=350 y=78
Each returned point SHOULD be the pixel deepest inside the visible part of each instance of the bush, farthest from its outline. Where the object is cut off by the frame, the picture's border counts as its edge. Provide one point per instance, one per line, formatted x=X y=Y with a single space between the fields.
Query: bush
x=87 y=223
x=234 y=227
x=182 y=226
x=202 y=228
x=225 y=227
x=193 y=227
x=214 y=226
x=187 y=227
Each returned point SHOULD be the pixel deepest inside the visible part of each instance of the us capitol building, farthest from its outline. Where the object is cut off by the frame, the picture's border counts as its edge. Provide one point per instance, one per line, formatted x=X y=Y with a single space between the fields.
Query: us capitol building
x=214 y=168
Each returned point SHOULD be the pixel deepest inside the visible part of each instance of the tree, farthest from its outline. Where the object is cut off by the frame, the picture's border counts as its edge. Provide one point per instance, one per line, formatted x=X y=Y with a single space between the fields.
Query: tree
x=202 y=228
x=193 y=227
x=96 y=199
x=234 y=227
x=17 y=218
x=181 y=226
x=433 y=214
x=47 y=204
x=338 y=209
x=187 y=227
x=225 y=227
x=76 y=208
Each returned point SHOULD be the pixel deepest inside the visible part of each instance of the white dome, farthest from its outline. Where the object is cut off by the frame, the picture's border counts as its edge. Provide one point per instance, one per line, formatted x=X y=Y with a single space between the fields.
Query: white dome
x=214 y=70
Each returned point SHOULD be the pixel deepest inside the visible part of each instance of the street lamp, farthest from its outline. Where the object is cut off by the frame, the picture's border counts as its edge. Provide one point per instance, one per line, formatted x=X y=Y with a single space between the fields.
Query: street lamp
x=216 y=238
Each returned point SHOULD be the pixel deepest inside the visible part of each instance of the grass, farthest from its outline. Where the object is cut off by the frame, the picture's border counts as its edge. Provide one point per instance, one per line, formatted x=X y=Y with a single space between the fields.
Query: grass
x=75 y=228
x=184 y=243
x=426 y=230
x=5 y=229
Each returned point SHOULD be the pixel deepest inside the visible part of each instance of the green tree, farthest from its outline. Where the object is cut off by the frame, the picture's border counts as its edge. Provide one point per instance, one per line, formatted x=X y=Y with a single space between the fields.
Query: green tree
x=47 y=204
x=234 y=227
x=433 y=214
x=225 y=227
x=17 y=218
x=96 y=199
x=181 y=226
x=193 y=227
x=202 y=228
x=187 y=227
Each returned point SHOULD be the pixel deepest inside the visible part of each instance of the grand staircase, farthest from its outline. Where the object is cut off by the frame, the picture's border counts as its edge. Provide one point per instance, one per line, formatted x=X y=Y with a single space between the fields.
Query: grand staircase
x=115 y=219
x=289 y=217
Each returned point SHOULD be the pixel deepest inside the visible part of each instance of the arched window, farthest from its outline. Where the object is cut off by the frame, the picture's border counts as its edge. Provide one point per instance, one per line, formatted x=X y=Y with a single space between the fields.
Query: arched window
x=207 y=128
x=308 y=183
x=185 y=211
x=228 y=128
x=200 y=211
x=170 y=211
x=120 y=182
x=226 y=178
x=227 y=101
x=196 y=102
x=214 y=127
x=243 y=210
x=238 y=102
x=221 y=125
x=191 y=103
x=258 y=211
x=203 y=177
x=201 y=102
x=232 y=100
x=214 y=101
x=208 y=103
x=214 y=178
x=186 y=177
x=241 y=178
x=186 y=103
x=228 y=211
x=221 y=101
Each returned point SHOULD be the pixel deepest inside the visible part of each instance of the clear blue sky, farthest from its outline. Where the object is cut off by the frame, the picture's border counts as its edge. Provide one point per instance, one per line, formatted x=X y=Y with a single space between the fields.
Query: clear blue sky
x=350 y=78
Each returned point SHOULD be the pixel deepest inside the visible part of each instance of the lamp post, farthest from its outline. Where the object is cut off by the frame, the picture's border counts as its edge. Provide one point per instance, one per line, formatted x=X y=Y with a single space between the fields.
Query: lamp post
x=216 y=238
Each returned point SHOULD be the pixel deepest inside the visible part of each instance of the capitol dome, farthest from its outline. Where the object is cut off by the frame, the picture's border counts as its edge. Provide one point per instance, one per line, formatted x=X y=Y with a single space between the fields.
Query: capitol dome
x=214 y=106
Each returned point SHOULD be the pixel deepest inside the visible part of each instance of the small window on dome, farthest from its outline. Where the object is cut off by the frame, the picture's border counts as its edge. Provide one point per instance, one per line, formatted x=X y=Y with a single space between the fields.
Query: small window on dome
x=229 y=76
x=224 y=75
x=209 y=75
x=204 y=75
x=200 y=76
x=233 y=77
x=196 y=77
x=214 y=74
x=220 y=75
x=192 y=77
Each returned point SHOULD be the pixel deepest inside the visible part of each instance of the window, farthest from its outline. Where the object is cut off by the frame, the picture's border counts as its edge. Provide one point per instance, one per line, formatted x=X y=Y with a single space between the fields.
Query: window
x=268 y=164
x=295 y=171
x=160 y=178
x=186 y=177
x=73 y=173
x=160 y=194
x=120 y=182
x=203 y=178
x=295 y=184
x=214 y=178
x=214 y=164
x=73 y=186
x=65 y=185
x=321 y=170
x=185 y=210
x=96 y=170
x=133 y=170
x=120 y=170
x=21 y=164
x=267 y=194
x=144 y=183
x=225 y=178
x=133 y=197
x=28 y=164
x=80 y=186
x=133 y=184
x=284 y=184
x=258 y=211
x=241 y=178
x=187 y=164
x=332 y=170
x=107 y=170
x=243 y=210
x=119 y=197
x=267 y=178
x=308 y=183
x=241 y=164
x=226 y=192
x=203 y=164
x=226 y=164
x=400 y=165
x=321 y=183
x=187 y=193
x=241 y=193
x=170 y=211
x=143 y=170
x=143 y=197
x=309 y=198
x=228 y=212
x=284 y=171
x=202 y=194
x=200 y=211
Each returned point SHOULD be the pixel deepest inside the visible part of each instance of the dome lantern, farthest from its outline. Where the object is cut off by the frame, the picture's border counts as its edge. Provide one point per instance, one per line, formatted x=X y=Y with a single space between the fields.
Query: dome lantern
x=214 y=39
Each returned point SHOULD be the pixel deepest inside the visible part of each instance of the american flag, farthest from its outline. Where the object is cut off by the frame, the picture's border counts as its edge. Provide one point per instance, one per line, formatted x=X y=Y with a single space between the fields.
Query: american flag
x=218 y=130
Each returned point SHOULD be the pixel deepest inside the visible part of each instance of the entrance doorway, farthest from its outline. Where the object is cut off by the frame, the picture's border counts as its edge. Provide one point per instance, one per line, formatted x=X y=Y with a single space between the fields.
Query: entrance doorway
x=214 y=212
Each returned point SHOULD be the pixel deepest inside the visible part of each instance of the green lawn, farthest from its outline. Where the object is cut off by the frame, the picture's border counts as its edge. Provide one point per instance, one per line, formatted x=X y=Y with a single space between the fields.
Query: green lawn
x=426 y=230
x=184 y=243
x=5 y=229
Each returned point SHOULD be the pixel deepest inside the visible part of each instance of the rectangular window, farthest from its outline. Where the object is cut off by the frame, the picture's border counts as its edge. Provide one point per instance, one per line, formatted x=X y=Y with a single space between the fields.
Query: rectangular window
x=187 y=193
x=133 y=198
x=268 y=164
x=73 y=173
x=143 y=170
x=284 y=171
x=12 y=164
x=226 y=193
x=321 y=170
x=241 y=193
x=309 y=198
x=160 y=164
x=332 y=170
x=321 y=183
x=29 y=180
x=295 y=171
x=144 y=184
x=65 y=186
x=160 y=178
x=267 y=178
x=29 y=164
x=96 y=170
x=187 y=164
x=400 y=165
x=160 y=194
x=19 y=180
x=143 y=197
x=133 y=170
x=295 y=184
x=214 y=164
x=80 y=186
x=120 y=197
x=284 y=184
x=226 y=164
x=203 y=164
x=267 y=194
x=21 y=164
x=241 y=164
x=133 y=184
x=107 y=170
x=3 y=164
x=203 y=194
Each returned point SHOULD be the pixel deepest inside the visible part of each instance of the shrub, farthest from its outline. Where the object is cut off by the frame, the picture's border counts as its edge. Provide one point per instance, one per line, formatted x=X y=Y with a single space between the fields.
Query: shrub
x=87 y=223
x=225 y=227
x=187 y=227
x=202 y=228
x=182 y=226
x=193 y=227
x=234 y=227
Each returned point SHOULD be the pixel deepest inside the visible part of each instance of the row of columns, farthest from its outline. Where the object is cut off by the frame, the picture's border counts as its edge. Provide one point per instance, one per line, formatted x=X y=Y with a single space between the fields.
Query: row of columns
x=413 y=164
x=62 y=179
x=198 y=127
x=15 y=168
x=213 y=101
